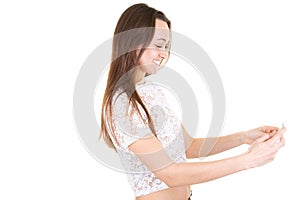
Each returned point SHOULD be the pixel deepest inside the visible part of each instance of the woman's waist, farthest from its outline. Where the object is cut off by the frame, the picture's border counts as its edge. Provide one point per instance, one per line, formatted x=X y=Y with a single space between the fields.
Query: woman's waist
x=175 y=193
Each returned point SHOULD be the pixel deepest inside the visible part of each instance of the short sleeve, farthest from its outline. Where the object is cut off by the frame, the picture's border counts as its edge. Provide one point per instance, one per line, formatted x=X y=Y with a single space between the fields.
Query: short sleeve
x=129 y=126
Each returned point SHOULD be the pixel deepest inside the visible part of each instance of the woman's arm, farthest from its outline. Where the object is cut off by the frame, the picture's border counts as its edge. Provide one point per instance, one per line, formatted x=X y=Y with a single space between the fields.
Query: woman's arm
x=201 y=147
x=152 y=154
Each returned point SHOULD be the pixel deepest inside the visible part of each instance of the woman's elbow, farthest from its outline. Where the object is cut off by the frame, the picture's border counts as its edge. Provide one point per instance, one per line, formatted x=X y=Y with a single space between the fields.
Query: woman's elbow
x=169 y=175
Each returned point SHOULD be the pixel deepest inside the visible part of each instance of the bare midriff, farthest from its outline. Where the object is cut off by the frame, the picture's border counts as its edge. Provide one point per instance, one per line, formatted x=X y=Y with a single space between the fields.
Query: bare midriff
x=176 y=193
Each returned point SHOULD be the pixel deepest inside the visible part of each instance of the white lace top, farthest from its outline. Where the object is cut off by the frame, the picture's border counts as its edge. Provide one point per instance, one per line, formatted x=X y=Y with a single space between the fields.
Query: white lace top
x=129 y=127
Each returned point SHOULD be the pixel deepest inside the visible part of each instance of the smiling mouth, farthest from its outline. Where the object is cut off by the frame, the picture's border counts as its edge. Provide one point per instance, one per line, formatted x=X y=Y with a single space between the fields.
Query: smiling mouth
x=157 y=62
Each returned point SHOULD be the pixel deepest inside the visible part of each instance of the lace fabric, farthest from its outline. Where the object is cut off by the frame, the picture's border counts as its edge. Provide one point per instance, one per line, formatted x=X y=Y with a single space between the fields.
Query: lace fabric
x=130 y=127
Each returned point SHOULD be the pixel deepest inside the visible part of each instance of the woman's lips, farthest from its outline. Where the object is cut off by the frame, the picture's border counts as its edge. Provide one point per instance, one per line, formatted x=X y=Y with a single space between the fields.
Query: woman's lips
x=157 y=62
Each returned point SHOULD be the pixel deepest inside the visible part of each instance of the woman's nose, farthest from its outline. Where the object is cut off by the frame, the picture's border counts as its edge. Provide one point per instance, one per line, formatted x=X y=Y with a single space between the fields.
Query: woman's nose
x=163 y=53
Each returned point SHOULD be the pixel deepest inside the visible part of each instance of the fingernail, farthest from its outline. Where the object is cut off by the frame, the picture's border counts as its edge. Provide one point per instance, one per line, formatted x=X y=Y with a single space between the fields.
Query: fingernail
x=277 y=141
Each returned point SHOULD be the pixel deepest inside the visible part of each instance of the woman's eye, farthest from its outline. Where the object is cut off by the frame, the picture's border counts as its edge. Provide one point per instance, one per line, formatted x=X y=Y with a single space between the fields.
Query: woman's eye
x=161 y=46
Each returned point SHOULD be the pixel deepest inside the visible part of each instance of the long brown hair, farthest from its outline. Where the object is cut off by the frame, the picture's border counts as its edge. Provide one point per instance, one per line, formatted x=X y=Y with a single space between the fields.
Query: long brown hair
x=125 y=58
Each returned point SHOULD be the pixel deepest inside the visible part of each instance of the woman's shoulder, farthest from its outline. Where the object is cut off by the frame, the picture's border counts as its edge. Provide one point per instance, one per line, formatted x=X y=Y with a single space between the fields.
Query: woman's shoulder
x=150 y=86
x=152 y=92
x=148 y=91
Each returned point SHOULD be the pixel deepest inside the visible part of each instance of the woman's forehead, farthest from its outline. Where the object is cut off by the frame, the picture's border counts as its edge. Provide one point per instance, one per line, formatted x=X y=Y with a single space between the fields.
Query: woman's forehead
x=162 y=31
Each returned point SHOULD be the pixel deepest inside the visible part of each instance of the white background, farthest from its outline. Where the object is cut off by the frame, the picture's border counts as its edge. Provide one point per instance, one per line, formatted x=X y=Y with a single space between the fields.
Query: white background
x=254 y=44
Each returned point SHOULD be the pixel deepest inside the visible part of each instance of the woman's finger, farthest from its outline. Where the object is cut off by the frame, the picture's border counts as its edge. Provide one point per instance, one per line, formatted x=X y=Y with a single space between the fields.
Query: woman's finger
x=263 y=138
x=276 y=138
x=269 y=129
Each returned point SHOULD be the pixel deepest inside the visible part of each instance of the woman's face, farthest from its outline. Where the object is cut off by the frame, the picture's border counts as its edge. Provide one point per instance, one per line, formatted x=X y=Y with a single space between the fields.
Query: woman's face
x=157 y=50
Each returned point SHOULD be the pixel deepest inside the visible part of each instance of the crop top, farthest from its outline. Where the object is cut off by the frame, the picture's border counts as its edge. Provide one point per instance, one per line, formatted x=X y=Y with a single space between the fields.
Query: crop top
x=129 y=127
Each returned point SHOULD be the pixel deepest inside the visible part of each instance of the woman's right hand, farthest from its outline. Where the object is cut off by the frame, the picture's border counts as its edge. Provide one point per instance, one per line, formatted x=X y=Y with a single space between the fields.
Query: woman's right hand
x=265 y=148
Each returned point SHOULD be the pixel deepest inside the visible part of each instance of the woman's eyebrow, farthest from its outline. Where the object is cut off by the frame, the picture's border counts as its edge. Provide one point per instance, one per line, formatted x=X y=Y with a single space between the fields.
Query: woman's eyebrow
x=163 y=39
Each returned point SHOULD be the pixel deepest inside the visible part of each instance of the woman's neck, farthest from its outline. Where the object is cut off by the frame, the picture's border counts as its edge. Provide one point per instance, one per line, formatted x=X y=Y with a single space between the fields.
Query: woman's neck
x=141 y=81
x=140 y=78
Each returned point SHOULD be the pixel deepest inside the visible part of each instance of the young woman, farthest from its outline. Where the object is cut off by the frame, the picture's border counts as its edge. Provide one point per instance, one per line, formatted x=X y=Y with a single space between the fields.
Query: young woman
x=138 y=122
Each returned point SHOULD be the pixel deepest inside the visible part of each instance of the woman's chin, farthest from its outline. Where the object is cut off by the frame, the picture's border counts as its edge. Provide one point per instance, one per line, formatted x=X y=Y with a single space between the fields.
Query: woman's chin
x=154 y=71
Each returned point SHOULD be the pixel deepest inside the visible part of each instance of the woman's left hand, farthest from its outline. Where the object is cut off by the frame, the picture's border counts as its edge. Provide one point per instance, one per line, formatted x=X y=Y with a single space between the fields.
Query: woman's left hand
x=248 y=137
